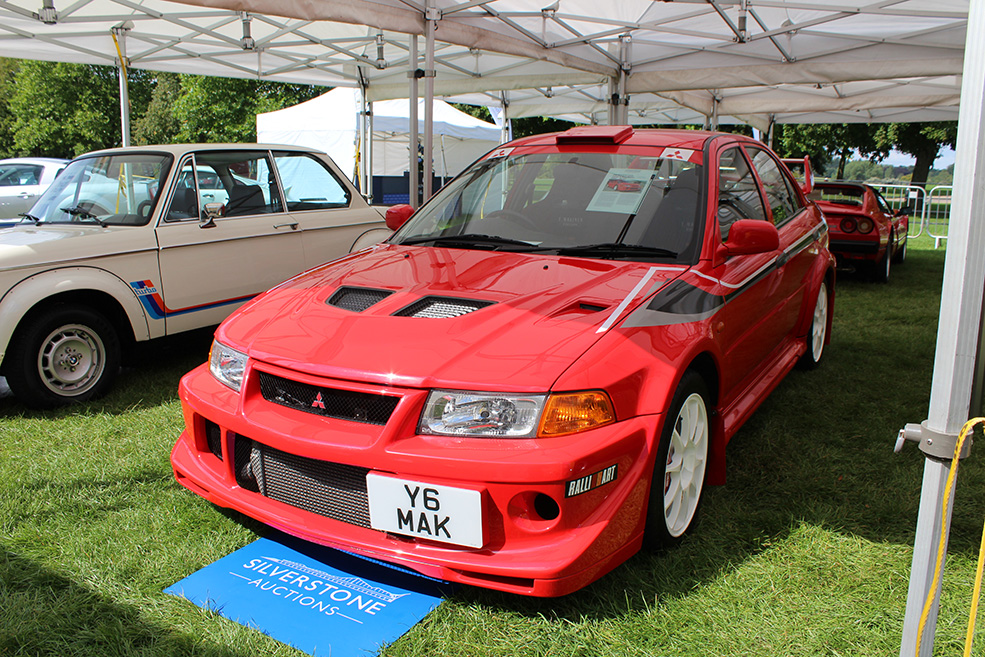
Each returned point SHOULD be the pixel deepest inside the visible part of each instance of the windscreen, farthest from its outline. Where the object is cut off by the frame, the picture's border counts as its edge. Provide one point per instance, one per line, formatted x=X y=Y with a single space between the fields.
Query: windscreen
x=566 y=201
x=106 y=190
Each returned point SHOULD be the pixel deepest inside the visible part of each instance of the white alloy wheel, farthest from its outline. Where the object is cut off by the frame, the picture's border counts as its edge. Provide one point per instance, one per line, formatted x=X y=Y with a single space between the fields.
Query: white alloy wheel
x=819 y=325
x=684 y=470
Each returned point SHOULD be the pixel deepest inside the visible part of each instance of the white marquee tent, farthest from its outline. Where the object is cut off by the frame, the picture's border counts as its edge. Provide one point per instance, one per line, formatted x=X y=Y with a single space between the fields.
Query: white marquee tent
x=330 y=123
x=775 y=58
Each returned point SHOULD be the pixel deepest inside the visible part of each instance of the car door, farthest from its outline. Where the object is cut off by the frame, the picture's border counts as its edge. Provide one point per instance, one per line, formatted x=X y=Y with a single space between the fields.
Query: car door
x=751 y=331
x=327 y=209
x=20 y=186
x=796 y=224
x=209 y=268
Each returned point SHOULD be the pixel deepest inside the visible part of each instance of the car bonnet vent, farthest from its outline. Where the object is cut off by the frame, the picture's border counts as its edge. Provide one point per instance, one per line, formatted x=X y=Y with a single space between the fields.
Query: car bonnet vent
x=441 y=307
x=357 y=299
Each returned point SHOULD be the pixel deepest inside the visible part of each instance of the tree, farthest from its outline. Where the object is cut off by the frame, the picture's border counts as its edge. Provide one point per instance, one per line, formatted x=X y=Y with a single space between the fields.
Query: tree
x=159 y=125
x=824 y=142
x=8 y=84
x=921 y=140
x=211 y=109
x=64 y=110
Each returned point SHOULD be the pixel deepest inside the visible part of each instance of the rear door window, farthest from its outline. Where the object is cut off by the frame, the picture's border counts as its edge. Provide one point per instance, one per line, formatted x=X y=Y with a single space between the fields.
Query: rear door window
x=309 y=184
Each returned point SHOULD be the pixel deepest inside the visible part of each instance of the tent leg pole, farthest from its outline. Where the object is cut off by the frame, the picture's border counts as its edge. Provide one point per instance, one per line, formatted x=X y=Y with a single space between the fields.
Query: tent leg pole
x=430 y=16
x=369 y=150
x=413 y=141
x=959 y=329
x=120 y=34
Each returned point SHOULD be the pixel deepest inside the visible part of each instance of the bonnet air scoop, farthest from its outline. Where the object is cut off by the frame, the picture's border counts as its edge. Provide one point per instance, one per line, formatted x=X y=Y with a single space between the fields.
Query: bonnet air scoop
x=357 y=299
x=441 y=307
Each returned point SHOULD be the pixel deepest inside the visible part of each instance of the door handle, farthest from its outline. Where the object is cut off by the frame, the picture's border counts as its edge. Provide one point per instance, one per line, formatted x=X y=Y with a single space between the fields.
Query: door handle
x=292 y=224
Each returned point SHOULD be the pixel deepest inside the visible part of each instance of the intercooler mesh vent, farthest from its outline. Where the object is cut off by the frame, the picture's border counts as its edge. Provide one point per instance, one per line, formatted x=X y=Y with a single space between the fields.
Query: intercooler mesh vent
x=342 y=404
x=357 y=299
x=441 y=307
x=332 y=490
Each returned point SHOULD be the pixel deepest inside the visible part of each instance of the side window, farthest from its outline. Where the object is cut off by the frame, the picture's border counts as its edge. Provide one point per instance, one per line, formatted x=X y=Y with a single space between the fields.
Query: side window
x=20 y=175
x=309 y=184
x=738 y=193
x=881 y=202
x=783 y=200
x=244 y=178
x=184 y=199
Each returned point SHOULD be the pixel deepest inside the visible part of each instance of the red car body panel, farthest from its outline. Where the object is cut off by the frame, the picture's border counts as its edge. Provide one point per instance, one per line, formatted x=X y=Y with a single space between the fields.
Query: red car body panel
x=849 y=244
x=552 y=323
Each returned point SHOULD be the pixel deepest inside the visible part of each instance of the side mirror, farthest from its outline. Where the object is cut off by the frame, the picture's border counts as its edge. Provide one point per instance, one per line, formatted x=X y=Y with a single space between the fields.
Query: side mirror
x=749 y=236
x=212 y=211
x=397 y=215
x=905 y=211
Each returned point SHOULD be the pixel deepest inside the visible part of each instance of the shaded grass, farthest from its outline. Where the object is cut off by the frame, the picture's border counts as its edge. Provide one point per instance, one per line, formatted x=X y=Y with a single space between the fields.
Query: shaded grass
x=805 y=551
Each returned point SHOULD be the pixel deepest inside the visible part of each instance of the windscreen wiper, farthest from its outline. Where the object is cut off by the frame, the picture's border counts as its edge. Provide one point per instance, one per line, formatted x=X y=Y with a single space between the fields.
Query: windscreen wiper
x=28 y=215
x=82 y=213
x=616 y=250
x=468 y=240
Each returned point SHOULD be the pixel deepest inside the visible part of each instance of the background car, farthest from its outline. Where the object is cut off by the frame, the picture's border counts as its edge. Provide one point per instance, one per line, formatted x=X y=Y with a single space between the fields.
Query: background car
x=136 y=243
x=865 y=231
x=536 y=375
x=22 y=181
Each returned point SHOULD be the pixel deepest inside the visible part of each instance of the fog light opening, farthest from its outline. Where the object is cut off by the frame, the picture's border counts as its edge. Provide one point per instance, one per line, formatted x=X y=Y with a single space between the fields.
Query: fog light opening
x=546 y=507
x=534 y=511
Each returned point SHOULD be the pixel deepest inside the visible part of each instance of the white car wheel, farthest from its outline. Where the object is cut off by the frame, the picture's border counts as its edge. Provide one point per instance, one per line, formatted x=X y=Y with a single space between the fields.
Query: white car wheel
x=681 y=464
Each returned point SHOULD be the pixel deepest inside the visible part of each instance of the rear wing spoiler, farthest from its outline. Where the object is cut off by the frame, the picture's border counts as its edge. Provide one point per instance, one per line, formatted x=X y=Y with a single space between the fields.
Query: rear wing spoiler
x=800 y=167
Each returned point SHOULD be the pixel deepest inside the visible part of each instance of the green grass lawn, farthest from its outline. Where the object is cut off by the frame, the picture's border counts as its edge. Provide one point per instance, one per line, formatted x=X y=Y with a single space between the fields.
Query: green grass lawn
x=806 y=550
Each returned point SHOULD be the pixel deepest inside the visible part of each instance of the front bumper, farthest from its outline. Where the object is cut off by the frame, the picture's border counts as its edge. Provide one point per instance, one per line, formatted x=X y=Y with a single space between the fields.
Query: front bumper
x=543 y=535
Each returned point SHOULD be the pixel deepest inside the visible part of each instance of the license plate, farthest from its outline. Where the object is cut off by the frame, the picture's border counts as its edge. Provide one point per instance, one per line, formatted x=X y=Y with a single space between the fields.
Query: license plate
x=423 y=510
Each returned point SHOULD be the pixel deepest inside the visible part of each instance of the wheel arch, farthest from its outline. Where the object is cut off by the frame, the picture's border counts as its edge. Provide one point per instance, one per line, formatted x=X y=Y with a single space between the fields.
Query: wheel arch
x=96 y=288
x=705 y=366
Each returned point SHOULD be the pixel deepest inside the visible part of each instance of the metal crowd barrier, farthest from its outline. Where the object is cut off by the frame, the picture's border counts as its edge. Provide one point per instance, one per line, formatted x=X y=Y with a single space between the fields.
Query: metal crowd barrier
x=931 y=209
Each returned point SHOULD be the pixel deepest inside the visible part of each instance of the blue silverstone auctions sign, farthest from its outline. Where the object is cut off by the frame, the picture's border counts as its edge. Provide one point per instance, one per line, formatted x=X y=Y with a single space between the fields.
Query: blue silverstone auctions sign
x=319 y=600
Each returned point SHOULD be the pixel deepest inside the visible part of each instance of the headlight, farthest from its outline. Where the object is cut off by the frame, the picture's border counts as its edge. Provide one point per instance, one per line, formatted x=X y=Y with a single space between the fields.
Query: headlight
x=227 y=365
x=484 y=414
x=450 y=413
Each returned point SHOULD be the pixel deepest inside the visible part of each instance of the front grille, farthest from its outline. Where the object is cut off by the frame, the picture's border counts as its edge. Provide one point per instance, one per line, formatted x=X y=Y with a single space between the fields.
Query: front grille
x=332 y=490
x=328 y=402
x=357 y=299
x=441 y=307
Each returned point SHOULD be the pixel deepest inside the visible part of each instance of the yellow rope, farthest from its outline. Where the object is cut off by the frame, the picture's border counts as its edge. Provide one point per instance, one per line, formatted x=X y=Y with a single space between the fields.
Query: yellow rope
x=948 y=487
x=969 y=638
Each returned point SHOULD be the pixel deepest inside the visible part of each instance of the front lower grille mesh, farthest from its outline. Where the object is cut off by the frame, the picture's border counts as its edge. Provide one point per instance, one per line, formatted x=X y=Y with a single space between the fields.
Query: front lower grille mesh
x=342 y=404
x=332 y=490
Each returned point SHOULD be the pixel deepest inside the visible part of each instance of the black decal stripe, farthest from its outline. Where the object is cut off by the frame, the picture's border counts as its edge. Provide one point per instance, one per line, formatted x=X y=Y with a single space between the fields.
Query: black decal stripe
x=681 y=298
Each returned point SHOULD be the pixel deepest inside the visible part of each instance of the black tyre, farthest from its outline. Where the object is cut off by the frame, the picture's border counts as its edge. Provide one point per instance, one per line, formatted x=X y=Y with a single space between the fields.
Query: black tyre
x=880 y=270
x=680 y=467
x=818 y=331
x=900 y=254
x=64 y=354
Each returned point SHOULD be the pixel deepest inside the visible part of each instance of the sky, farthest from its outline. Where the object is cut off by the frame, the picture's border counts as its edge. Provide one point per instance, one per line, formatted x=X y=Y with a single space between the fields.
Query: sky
x=943 y=161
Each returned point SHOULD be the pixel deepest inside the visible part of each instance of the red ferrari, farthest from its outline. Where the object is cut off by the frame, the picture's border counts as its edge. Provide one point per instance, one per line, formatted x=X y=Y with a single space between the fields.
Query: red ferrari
x=865 y=232
x=535 y=376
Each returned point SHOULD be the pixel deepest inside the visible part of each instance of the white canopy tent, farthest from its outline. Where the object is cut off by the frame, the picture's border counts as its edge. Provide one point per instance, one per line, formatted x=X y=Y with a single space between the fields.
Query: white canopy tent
x=696 y=54
x=331 y=123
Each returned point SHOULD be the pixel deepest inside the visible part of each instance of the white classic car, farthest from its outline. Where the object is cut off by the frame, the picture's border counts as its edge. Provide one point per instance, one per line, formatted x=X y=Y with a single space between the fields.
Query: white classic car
x=136 y=243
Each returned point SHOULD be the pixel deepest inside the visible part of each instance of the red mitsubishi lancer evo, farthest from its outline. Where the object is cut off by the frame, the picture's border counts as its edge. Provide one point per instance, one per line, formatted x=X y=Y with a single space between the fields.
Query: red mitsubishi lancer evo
x=536 y=375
